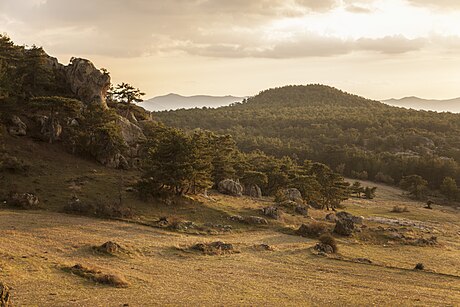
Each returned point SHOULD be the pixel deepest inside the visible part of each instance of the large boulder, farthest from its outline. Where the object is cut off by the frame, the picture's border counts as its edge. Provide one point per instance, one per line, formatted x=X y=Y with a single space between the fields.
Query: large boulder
x=131 y=133
x=230 y=187
x=253 y=191
x=5 y=296
x=87 y=82
x=272 y=212
x=50 y=130
x=348 y=216
x=344 y=227
x=292 y=194
x=16 y=126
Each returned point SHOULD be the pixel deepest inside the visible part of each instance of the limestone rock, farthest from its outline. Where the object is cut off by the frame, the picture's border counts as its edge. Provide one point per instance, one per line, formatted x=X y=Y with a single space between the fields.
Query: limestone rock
x=230 y=187
x=16 y=126
x=255 y=220
x=292 y=195
x=131 y=133
x=254 y=191
x=272 y=212
x=348 y=216
x=24 y=201
x=344 y=227
x=331 y=217
x=87 y=82
x=302 y=210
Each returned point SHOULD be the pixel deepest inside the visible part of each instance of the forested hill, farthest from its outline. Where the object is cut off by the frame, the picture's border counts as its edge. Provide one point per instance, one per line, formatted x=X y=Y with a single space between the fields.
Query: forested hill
x=359 y=137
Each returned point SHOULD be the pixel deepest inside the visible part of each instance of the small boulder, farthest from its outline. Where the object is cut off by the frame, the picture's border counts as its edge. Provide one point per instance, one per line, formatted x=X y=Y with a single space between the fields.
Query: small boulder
x=109 y=248
x=5 y=296
x=348 y=216
x=255 y=220
x=315 y=205
x=344 y=227
x=302 y=210
x=16 y=126
x=272 y=212
x=230 y=187
x=324 y=248
x=214 y=248
x=419 y=267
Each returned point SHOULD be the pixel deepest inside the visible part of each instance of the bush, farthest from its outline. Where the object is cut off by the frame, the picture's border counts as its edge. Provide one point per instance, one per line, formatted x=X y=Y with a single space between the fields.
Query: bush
x=381 y=177
x=313 y=229
x=328 y=239
x=400 y=209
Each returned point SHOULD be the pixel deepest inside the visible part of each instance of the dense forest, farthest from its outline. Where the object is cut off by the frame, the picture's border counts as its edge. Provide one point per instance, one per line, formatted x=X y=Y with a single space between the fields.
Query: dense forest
x=355 y=136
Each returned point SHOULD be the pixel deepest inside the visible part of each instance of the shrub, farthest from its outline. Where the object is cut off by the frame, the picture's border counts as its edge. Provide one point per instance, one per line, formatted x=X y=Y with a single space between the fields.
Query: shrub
x=328 y=239
x=313 y=229
x=400 y=209
x=381 y=177
x=419 y=267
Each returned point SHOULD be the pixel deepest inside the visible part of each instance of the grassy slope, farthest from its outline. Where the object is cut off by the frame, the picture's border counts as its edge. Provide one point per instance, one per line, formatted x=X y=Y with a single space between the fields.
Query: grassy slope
x=35 y=244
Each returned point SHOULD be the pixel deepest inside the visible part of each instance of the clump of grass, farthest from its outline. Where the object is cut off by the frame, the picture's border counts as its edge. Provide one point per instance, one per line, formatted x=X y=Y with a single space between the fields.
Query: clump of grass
x=328 y=239
x=419 y=267
x=400 y=209
x=313 y=229
x=97 y=276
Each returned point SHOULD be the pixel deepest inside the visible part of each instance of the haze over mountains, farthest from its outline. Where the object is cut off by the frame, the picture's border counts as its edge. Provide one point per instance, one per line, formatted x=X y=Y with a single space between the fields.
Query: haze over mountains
x=175 y=102
x=449 y=105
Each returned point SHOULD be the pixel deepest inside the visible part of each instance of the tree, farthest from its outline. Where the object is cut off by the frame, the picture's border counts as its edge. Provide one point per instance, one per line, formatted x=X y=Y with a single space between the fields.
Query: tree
x=415 y=185
x=126 y=93
x=449 y=188
x=334 y=189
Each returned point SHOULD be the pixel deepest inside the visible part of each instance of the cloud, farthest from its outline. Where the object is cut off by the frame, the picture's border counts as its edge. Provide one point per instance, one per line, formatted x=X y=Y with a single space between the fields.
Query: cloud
x=439 y=4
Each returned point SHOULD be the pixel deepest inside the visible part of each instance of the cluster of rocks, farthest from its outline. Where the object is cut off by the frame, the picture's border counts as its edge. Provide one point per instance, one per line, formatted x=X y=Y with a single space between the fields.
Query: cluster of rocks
x=219 y=227
x=250 y=220
x=214 y=248
x=324 y=248
x=344 y=222
x=176 y=224
x=110 y=248
x=235 y=188
x=24 y=201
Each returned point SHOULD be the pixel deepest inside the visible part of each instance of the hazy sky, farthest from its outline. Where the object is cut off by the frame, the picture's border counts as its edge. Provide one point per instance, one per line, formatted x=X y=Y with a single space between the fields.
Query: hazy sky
x=378 y=49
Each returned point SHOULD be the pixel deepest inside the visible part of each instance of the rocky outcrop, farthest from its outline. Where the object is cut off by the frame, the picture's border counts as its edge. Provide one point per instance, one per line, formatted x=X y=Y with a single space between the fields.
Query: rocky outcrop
x=50 y=129
x=272 y=212
x=291 y=195
x=24 y=201
x=87 y=83
x=230 y=187
x=253 y=191
x=16 y=126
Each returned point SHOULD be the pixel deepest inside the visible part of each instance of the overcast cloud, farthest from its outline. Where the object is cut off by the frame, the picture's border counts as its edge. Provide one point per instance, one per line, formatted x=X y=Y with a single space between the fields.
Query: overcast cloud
x=224 y=30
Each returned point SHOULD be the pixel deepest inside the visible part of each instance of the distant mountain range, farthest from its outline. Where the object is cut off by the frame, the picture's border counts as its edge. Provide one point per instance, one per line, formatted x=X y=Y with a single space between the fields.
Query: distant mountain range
x=175 y=102
x=450 y=105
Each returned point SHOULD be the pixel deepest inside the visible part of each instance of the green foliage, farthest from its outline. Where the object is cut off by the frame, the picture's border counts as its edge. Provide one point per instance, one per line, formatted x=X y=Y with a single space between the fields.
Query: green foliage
x=415 y=185
x=351 y=134
x=125 y=93
x=449 y=188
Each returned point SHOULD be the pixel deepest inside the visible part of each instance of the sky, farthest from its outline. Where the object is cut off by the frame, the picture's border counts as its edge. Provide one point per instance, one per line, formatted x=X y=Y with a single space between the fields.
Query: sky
x=373 y=48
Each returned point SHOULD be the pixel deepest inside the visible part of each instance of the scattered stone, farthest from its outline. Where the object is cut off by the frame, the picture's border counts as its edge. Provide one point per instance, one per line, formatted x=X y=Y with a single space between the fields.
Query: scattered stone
x=230 y=187
x=255 y=220
x=110 y=248
x=214 y=248
x=362 y=260
x=324 y=248
x=313 y=229
x=419 y=266
x=16 y=126
x=263 y=247
x=5 y=296
x=236 y=218
x=24 y=201
x=272 y=212
x=302 y=210
x=344 y=227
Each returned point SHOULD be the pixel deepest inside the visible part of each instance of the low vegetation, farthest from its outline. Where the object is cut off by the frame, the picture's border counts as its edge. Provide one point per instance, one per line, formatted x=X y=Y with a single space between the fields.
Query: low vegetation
x=97 y=276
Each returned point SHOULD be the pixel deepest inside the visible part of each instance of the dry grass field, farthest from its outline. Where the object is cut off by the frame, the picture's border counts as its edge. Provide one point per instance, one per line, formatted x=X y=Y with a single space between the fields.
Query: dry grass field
x=160 y=269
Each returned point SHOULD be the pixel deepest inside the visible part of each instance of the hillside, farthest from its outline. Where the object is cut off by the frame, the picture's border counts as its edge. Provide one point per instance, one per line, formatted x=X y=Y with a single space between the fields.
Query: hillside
x=449 y=105
x=357 y=136
x=174 y=102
